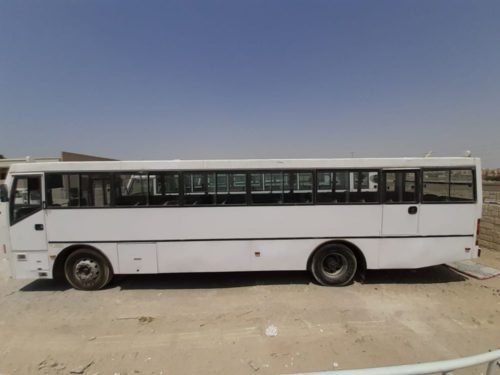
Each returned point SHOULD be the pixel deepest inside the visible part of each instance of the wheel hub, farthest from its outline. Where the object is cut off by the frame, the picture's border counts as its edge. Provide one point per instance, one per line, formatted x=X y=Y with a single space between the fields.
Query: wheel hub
x=87 y=270
x=334 y=264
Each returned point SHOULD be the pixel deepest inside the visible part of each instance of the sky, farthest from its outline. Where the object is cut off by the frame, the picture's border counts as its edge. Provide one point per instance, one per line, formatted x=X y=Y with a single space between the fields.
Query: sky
x=250 y=79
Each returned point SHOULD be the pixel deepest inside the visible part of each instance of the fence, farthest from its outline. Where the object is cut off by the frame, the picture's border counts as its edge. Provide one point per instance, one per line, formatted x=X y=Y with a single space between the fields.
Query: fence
x=490 y=221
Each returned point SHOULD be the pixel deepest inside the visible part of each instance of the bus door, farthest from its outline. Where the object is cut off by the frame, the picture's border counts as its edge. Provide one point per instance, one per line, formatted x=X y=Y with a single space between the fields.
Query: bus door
x=27 y=219
x=401 y=208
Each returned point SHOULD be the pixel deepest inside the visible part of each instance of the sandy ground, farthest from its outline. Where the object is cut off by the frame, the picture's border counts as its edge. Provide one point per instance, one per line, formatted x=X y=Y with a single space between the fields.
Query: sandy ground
x=216 y=323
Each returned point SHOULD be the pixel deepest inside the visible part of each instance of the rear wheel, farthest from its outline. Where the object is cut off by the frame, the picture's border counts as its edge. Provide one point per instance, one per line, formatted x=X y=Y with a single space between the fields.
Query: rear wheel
x=334 y=265
x=87 y=269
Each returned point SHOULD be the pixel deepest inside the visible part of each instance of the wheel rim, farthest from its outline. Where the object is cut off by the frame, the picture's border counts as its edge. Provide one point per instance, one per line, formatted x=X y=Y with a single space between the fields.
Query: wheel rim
x=86 y=271
x=334 y=264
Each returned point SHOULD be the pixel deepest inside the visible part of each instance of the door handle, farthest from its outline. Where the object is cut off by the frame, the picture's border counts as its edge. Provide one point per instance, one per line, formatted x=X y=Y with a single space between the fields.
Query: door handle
x=412 y=210
x=38 y=226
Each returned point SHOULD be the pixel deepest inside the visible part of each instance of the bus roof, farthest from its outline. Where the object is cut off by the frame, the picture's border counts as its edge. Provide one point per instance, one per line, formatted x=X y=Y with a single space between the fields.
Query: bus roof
x=244 y=164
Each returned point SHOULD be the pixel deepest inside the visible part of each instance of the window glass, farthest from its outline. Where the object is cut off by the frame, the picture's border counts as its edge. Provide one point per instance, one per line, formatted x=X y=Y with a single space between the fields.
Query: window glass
x=164 y=189
x=267 y=187
x=63 y=190
x=199 y=188
x=363 y=187
x=347 y=186
x=462 y=185
x=95 y=190
x=456 y=185
x=400 y=187
x=131 y=189
x=333 y=186
x=436 y=185
x=301 y=191
x=231 y=188
x=26 y=197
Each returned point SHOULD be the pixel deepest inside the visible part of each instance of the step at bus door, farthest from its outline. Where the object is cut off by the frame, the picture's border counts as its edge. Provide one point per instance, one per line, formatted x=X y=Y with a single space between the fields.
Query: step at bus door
x=400 y=198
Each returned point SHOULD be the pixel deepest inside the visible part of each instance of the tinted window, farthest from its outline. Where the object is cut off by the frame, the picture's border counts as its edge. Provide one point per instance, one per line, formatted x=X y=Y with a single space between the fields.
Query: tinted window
x=448 y=185
x=301 y=190
x=164 y=189
x=400 y=187
x=199 y=188
x=95 y=190
x=131 y=189
x=63 y=190
x=333 y=187
x=363 y=187
x=268 y=187
x=26 y=197
x=347 y=186
x=462 y=185
x=231 y=188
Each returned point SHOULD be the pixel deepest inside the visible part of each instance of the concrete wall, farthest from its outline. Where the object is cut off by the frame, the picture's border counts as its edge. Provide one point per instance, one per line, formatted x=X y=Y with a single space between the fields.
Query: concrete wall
x=490 y=222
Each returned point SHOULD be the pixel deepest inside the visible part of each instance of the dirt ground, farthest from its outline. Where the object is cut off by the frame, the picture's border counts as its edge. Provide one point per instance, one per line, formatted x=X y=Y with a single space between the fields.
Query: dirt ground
x=216 y=323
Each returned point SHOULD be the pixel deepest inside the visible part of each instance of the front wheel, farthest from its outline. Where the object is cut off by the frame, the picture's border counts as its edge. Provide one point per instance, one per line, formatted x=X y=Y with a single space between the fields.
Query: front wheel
x=334 y=265
x=87 y=269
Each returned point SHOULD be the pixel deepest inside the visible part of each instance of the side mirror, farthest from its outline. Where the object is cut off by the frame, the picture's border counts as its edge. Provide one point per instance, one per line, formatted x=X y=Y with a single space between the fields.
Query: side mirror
x=4 y=196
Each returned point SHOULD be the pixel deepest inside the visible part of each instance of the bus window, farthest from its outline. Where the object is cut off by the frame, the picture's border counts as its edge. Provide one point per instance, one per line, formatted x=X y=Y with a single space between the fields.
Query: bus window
x=332 y=187
x=164 y=189
x=231 y=188
x=267 y=187
x=62 y=190
x=199 y=188
x=301 y=191
x=400 y=187
x=131 y=189
x=361 y=189
x=456 y=185
x=95 y=190
x=26 y=197
x=461 y=185
x=436 y=185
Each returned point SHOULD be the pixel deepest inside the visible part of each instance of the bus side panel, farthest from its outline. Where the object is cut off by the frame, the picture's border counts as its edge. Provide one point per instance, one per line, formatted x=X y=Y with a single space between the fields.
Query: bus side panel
x=424 y=251
x=212 y=223
x=261 y=255
x=447 y=219
x=203 y=256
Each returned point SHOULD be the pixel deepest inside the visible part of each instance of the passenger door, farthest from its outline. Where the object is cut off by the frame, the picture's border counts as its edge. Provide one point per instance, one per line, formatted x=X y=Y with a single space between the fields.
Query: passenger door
x=401 y=208
x=27 y=219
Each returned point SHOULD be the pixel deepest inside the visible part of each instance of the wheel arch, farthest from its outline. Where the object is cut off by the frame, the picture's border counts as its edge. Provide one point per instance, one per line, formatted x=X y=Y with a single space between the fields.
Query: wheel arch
x=58 y=268
x=360 y=257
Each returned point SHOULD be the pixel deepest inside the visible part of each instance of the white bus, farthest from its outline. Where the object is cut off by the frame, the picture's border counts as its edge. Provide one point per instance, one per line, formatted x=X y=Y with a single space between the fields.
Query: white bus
x=88 y=221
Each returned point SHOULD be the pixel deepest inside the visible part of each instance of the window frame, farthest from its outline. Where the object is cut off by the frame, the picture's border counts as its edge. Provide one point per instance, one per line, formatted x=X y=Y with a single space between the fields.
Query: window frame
x=249 y=173
x=348 y=192
x=418 y=187
x=248 y=193
x=46 y=189
x=449 y=169
x=114 y=186
x=163 y=174
x=12 y=194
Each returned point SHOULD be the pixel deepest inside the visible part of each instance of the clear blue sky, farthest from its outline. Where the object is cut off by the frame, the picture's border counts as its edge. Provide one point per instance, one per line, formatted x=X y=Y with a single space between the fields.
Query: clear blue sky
x=236 y=79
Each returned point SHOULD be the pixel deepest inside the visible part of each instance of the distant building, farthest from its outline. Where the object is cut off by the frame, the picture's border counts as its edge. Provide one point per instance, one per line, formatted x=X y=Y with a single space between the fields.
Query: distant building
x=72 y=156
x=491 y=174
x=5 y=163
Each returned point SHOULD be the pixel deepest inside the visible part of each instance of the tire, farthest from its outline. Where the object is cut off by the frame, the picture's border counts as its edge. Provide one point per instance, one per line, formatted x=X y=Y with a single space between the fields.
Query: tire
x=87 y=269
x=334 y=265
